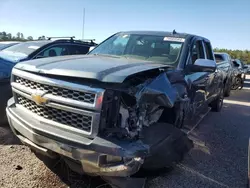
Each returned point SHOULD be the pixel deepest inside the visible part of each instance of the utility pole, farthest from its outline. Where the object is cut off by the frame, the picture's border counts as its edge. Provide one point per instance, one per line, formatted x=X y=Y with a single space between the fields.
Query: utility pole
x=83 y=22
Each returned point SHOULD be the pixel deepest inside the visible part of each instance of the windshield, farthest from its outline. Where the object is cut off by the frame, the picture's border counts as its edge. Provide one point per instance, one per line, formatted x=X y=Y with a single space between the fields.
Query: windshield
x=3 y=46
x=25 y=48
x=144 y=47
x=219 y=58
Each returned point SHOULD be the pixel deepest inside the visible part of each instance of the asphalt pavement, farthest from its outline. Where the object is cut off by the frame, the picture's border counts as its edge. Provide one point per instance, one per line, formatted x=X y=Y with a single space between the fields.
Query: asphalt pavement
x=219 y=158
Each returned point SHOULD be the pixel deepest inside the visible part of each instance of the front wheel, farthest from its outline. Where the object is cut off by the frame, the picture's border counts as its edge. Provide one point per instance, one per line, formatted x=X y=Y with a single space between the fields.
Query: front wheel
x=217 y=104
x=227 y=91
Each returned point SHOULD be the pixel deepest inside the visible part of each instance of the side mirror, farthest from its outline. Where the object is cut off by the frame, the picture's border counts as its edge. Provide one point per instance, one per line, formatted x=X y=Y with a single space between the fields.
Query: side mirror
x=203 y=65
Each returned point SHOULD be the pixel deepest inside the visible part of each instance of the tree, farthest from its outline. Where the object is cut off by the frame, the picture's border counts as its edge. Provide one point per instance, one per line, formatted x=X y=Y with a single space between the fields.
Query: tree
x=9 y=36
x=41 y=38
x=18 y=35
x=21 y=36
x=29 y=38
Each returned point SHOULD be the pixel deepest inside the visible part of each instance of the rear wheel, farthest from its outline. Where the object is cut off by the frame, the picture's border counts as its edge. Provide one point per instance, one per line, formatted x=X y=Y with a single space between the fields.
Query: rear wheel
x=218 y=102
x=237 y=83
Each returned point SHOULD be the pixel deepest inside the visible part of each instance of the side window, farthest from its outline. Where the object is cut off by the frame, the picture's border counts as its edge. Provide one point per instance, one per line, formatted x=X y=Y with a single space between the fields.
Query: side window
x=56 y=50
x=208 y=50
x=197 y=51
x=78 y=49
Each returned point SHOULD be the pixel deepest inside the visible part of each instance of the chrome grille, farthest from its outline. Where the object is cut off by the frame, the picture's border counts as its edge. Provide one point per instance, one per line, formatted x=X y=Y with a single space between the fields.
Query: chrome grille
x=62 y=92
x=61 y=116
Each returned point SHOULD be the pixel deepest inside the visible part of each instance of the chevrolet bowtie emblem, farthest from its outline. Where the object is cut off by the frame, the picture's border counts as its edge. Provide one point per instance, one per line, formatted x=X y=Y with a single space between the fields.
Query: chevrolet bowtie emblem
x=38 y=99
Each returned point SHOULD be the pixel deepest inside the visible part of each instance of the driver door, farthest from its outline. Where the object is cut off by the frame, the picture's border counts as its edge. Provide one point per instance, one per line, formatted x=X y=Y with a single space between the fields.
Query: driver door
x=198 y=81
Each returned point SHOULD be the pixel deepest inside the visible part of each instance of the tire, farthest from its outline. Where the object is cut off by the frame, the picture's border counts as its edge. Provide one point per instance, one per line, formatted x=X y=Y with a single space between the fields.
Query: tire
x=217 y=104
x=237 y=83
x=227 y=91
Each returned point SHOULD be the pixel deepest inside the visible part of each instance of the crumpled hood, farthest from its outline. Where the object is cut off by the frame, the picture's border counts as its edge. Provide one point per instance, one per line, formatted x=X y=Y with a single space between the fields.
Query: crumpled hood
x=102 y=68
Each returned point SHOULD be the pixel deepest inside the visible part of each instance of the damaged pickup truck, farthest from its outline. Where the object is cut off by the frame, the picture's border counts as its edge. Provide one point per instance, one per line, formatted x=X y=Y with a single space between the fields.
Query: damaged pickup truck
x=122 y=107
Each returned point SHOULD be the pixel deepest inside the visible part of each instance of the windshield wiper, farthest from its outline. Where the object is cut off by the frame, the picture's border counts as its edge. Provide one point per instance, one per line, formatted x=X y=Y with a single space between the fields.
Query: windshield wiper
x=107 y=55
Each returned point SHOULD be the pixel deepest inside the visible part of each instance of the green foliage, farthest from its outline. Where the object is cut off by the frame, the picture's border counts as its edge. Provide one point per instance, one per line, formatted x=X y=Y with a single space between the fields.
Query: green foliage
x=19 y=37
x=243 y=55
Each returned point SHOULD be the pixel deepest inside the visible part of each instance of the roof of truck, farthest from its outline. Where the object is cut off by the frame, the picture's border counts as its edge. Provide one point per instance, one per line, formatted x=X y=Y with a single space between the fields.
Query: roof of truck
x=161 y=33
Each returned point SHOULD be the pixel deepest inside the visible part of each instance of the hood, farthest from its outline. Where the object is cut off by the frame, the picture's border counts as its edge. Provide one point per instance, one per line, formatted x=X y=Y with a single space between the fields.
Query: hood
x=13 y=57
x=102 y=68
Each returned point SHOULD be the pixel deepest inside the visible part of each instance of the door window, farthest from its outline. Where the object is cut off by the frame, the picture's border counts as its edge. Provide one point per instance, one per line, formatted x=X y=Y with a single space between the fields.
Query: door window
x=77 y=49
x=56 y=50
x=208 y=50
x=197 y=51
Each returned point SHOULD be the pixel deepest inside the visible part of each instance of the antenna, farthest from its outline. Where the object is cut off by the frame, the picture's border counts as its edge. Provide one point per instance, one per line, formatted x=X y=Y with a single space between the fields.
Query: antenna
x=83 y=22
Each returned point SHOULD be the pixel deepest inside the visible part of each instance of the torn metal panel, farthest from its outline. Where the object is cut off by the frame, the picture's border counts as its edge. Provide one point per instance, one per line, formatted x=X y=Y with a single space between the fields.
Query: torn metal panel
x=159 y=91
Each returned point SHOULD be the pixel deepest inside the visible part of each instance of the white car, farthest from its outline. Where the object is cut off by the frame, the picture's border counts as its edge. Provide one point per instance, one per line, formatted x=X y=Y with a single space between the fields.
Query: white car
x=6 y=44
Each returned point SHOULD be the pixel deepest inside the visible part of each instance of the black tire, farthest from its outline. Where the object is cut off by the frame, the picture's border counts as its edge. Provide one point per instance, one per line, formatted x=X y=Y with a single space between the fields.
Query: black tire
x=217 y=104
x=237 y=83
x=227 y=91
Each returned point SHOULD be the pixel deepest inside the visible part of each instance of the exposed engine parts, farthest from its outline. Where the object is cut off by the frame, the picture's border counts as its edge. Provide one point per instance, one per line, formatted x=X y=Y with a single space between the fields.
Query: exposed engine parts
x=143 y=105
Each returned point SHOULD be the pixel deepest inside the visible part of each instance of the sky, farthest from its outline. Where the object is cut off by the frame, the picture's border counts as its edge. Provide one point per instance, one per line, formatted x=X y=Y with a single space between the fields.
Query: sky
x=226 y=23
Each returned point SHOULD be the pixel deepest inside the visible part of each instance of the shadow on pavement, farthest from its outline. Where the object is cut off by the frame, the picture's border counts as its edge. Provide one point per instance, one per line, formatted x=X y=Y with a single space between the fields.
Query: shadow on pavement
x=219 y=156
x=7 y=137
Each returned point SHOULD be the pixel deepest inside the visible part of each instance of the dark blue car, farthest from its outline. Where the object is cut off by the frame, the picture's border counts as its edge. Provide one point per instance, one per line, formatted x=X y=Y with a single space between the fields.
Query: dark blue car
x=33 y=50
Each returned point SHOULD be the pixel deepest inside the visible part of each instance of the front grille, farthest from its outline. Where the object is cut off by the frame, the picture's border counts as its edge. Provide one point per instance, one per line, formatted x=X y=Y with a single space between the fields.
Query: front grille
x=66 y=93
x=79 y=121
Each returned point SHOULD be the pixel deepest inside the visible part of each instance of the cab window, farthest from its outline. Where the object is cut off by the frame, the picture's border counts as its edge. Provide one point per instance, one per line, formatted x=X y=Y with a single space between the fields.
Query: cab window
x=57 y=50
x=197 y=51
x=208 y=50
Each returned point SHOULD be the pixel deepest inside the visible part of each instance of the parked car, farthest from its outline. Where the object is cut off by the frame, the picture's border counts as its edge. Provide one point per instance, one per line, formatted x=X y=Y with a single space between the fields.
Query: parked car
x=120 y=108
x=240 y=71
x=224 y=63
x=33 y=50
x=6 y=44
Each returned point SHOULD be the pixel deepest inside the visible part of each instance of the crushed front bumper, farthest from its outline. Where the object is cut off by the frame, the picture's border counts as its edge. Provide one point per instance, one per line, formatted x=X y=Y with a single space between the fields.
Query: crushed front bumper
x=91 y=154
